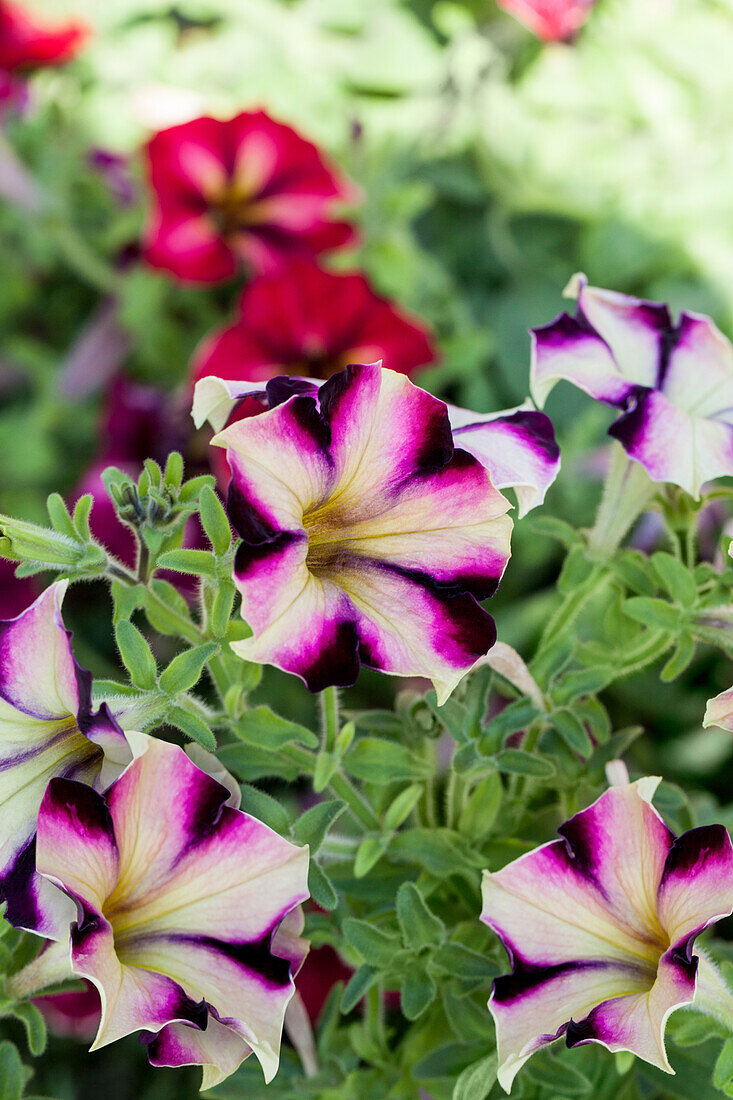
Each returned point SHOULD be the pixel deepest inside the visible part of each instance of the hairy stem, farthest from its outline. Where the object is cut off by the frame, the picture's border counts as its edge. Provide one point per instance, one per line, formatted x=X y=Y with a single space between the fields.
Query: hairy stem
x=626 y=492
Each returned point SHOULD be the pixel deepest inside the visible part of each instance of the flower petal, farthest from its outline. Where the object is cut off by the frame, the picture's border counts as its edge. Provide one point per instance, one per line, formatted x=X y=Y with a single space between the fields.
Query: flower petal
x=517 y=447
x=637 y=1021
x=719 y=711
x=570 y=349
x=37 y=669
x=534 y=1006
x=673 y=445
x=218 y=1048
x=699 y=341
x=697 y=883
x=635 y=330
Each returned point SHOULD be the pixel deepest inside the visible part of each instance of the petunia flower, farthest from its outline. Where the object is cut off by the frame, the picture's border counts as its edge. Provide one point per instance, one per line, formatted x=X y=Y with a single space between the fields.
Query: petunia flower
x=367 y=536
x=188 y=910
x=673 y=381
x=249 y=191
x=48 y=728
x=27 y=44
x=600 y=928
x=307 y=321
x=517 y=446
x=551 y=20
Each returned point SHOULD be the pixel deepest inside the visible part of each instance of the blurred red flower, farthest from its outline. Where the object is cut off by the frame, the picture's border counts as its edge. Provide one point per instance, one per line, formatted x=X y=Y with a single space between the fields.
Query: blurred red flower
x=307 y=321
x=551 y=20
x=248 y=191
x=27 y=44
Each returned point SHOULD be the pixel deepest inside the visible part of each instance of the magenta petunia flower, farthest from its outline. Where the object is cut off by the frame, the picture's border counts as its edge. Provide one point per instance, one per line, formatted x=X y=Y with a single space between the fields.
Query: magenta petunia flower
x=517 y=446
x=673 y=381
x=188 y=910
x=367 y=536
x=28 y=44
x=600 y=928
x=48 y=728
x=248 y=191
x=551 y=20
x=307 y=321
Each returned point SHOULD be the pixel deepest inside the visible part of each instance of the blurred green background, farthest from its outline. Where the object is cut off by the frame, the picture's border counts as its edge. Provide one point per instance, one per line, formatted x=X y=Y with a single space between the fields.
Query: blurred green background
x=492 y=167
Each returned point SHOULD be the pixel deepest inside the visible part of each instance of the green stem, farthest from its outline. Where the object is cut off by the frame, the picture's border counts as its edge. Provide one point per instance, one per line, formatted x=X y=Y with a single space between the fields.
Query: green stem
x=330 y=716
x=626 y=492
x=646 y=653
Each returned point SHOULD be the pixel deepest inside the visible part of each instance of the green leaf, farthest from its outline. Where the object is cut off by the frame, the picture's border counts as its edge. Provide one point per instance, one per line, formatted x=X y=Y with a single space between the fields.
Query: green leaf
x=476 y=1081
x=35 y=1027
x=166 y=620
x=376 y=947
x=471 y=1023
x=266 y=808
x=690 y=1029
x=369 y=852
x=417 y=991
x=376 y=760
x=653 y=612
x=265 y=729
x=127 y=599
x=573 y=732
x=320 y=886
x=184 y=671
x=361 y=981
x=59 y=515
x=680 y=659
x=420 y=927
x=440 y=851
x=136 y=655
x=173 y=475
x=312 y=826
x=723 y=1071
x=12 y=1077
x=82 y=510
x=399 y=810
x=193 y=726
x=191 y=489
x=635 y=571
x=200 y=563
x=221 y=608
x=586 y=681
x=462 y=962
x=576 y=569
x=518 y=762
x=554 y=528
x=214 y=521
x=327 y=764
x=553 y=1074
x=479 y=814
x=675 y=578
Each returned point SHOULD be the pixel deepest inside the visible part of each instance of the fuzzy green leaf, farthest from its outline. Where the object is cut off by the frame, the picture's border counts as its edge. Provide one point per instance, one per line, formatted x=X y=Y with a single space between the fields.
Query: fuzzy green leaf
x=136 y=655
x=184 y=671
x=420 y=927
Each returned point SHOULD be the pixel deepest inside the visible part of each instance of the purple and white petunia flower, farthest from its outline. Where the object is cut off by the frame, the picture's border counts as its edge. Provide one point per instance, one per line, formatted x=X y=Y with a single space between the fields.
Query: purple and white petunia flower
x=188 y=910
x=368 y=536
x=600 y=928
x=517 y=446
x=48 y=728
x=673 y=381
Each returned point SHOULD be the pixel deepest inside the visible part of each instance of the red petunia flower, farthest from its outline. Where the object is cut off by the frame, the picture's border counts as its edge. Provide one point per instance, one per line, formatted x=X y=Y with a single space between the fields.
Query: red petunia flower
x=551 y=20
x=26 y=44
x=307 y=321
x=248 y=192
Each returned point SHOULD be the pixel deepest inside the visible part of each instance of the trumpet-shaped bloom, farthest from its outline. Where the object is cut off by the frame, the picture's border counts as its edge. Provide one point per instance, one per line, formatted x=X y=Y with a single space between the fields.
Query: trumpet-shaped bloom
x=47 y=728
x=719 y=711
x=188 y=910
x=551 y=20
x=517 y=446
x=247 y=191
x=672 y=381
x=600 y=928
x=307 y=321
x=367 y=536
x=27 y=44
